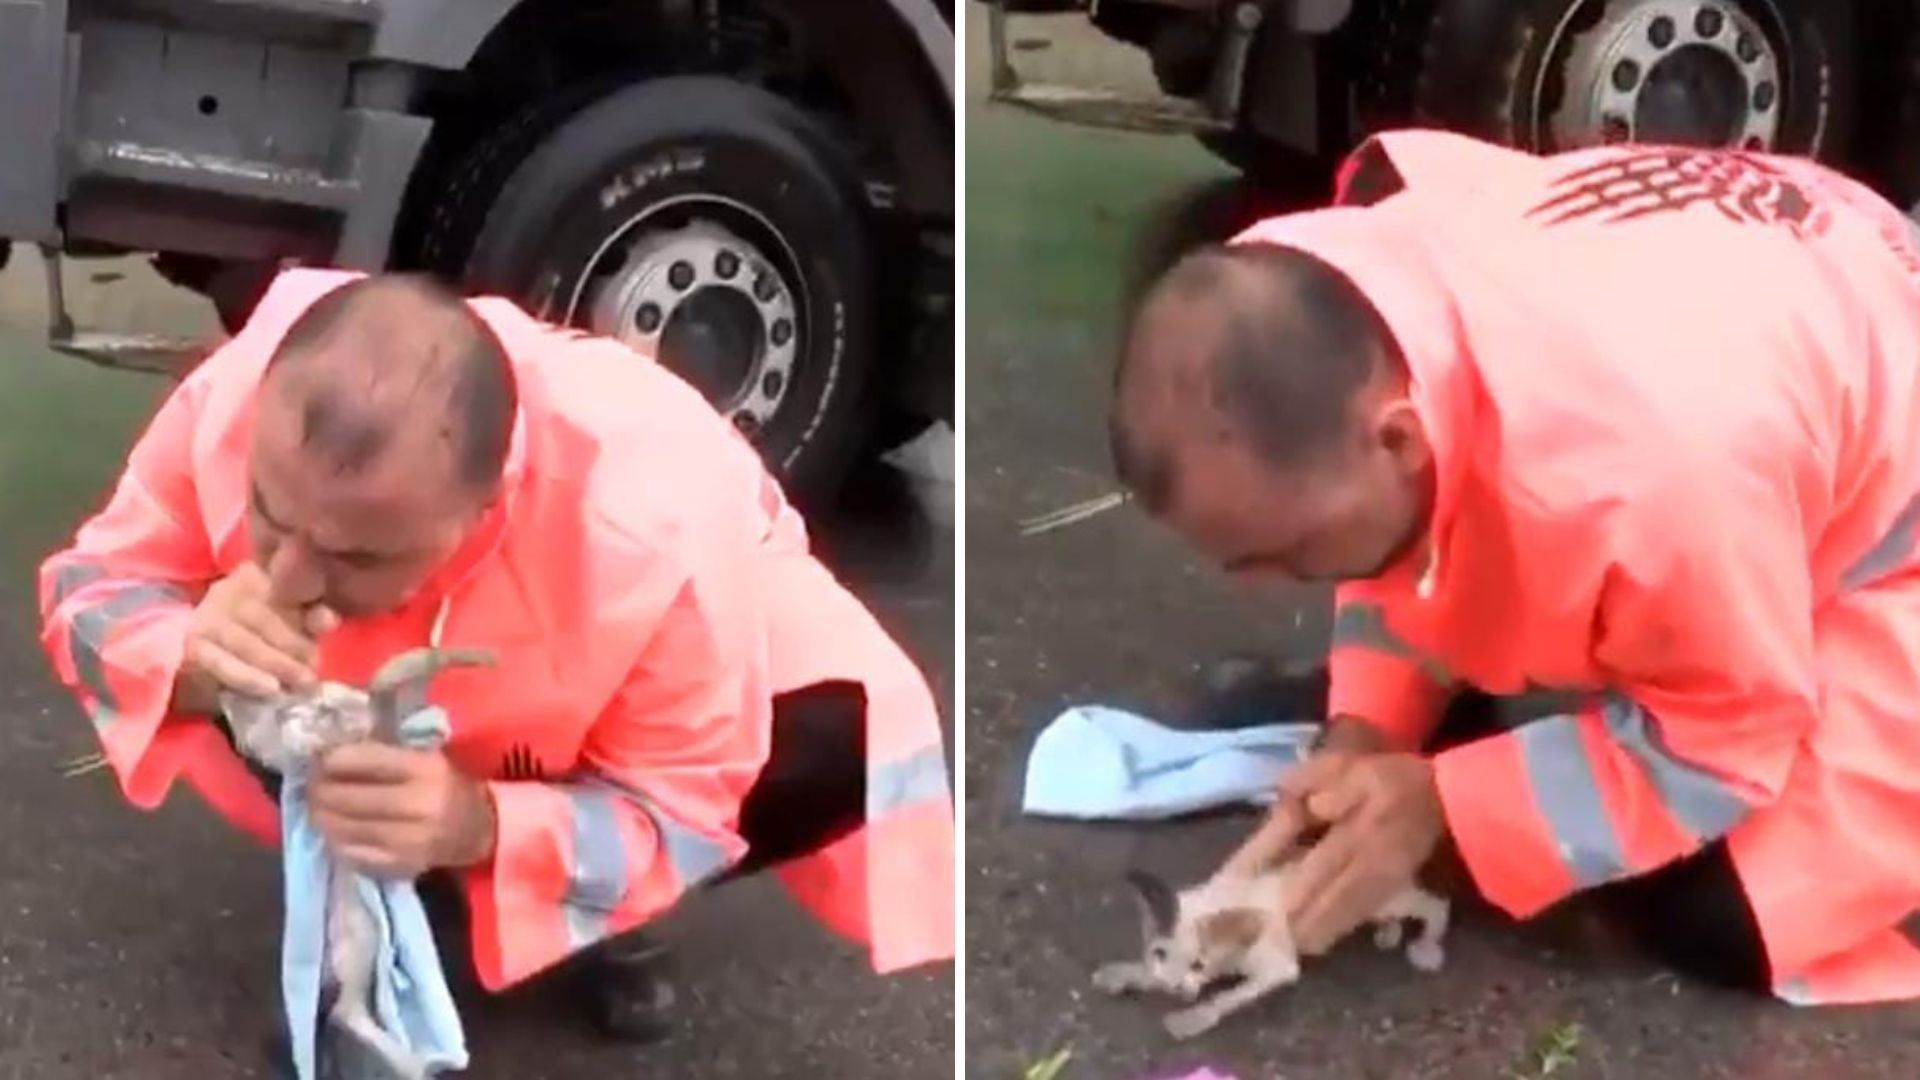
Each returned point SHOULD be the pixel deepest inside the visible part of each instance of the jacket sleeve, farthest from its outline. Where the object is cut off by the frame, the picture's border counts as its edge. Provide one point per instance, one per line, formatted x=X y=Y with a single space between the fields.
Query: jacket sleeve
x=1706 y=636
x=1375 y=676
x=114 y=609
x=655 y=812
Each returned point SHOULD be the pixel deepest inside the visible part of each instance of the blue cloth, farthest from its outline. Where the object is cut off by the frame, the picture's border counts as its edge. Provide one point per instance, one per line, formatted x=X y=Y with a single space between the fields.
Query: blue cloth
x=1097 y=762
x=411 y=1000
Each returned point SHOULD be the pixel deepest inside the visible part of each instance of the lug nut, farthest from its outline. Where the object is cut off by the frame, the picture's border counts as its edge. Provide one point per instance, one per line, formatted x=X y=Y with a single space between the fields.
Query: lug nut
x=1763 y=97
x=746 y=421
x=648 y=318
x=782 y=331
x=681 y=275
x=1708 y=22
x=763 y=287
x=726 y=264
x=1625 y=74
x=1747 y=49
x=772 y=383
x=1660 y=32
x=1615 y=129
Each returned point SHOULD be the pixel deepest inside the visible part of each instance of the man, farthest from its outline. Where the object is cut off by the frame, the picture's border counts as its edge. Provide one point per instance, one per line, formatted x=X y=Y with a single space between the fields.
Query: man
x=682 y=692
x=1638 y=424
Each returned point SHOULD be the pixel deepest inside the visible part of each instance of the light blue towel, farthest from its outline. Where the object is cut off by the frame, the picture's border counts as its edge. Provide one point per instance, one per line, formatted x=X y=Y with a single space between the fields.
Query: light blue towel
x=1095 y=762
x=411 y=1000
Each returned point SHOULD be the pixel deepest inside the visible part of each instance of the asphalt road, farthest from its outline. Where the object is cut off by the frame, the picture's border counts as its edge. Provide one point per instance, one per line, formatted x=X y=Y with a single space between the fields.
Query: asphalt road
x=1111 y=610
x=145 y=946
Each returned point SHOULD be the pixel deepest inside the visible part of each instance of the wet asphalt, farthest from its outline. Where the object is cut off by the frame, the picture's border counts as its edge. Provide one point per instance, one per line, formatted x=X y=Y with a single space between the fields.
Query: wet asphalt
x=144 y=946
x=1112 y=610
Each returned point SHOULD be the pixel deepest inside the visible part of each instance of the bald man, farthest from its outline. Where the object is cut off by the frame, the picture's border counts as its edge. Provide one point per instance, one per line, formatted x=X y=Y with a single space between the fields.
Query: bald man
x=683 y=693
x=1636 y=426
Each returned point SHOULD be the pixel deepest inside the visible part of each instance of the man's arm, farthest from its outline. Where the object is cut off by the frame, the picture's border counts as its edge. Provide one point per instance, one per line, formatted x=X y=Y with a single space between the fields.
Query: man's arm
x=1706 y=630
x=667 y=767
x=1377 y=680
x=115 y=610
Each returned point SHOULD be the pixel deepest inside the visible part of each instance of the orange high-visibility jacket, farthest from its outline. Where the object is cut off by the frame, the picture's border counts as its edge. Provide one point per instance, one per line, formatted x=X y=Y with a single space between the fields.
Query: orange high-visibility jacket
x=1674 y=398
x=647 y=590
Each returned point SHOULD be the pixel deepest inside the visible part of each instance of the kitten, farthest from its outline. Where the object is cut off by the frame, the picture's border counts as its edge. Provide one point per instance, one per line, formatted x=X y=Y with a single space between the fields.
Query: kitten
x=1234 y=925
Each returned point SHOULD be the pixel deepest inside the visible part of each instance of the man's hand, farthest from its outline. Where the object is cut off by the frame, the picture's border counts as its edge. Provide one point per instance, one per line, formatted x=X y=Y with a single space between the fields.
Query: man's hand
x=240 y=641
x=1385 y=819
x=399 y=812
x=1343 y=736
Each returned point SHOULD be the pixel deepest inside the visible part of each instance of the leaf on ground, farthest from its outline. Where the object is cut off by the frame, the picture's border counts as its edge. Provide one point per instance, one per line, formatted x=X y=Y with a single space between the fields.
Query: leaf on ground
x=1050 y=1068
x=1558 y=1051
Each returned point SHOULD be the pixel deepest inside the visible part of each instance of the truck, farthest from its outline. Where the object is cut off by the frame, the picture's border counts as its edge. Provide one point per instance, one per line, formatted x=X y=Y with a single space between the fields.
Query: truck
x=759 y=193
x=1282 y=89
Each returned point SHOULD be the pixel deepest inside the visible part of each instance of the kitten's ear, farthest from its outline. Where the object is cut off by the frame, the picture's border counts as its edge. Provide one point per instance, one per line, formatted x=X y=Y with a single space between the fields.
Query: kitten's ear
x=1234 y=929
x=1157 y=904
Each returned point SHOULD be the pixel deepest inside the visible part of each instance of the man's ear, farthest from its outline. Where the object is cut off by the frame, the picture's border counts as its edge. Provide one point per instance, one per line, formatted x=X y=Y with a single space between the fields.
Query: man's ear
x=1158 y=907
x=1397 y=430
x=1235 y=929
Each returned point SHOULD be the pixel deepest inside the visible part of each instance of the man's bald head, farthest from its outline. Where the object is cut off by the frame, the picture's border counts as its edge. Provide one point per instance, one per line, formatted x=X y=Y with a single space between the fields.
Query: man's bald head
x=382 y=431
x=398 y=364
x=1261 y=408
x=1251 y=343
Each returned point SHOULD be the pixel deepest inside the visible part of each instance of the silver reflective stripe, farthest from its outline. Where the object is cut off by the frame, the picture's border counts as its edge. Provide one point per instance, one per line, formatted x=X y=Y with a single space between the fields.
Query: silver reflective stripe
x=1701 y=802
x=93 y=626
x=918 y=777
x=599 y=877
x=1364 y=626
x=600 y=871
x=72 y=577
x=1889 y=554
x=1796 y=992
x=1568 y=796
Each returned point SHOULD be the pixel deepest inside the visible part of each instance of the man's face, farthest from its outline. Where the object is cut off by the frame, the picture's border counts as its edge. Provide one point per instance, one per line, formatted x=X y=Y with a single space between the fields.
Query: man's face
x=1351 y=515
x=360 y=543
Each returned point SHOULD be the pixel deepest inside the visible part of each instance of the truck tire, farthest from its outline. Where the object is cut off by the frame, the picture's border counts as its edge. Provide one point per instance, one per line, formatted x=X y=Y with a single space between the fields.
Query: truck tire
x=1550 y=75
x=704 y=221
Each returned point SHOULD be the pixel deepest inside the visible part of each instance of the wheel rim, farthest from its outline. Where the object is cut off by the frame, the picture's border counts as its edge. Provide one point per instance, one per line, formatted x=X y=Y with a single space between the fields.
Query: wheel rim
x=1685 y=72
x=709 y=287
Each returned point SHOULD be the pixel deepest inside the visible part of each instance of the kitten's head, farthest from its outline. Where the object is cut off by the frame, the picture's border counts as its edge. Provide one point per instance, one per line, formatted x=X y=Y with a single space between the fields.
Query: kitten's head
x=1187 y=952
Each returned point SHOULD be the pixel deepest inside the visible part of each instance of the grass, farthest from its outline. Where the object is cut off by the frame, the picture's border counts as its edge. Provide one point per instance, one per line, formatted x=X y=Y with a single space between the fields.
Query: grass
x=1049 y=1068
x=65 y=428
x=1559 y=1050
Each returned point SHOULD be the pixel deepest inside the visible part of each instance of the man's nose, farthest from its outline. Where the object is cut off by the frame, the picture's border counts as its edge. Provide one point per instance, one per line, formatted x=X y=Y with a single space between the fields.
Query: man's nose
x=294 y=576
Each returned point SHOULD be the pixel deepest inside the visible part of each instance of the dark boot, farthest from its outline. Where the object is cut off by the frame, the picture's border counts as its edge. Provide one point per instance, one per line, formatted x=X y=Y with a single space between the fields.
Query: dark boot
x=629 y=990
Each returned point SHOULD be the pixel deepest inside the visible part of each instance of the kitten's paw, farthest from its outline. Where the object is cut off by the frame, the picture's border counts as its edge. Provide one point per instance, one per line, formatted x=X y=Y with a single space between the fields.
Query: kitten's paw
x=1386 y=935
x=1115 y=978
x=1187 y=1023
x=1427 y=955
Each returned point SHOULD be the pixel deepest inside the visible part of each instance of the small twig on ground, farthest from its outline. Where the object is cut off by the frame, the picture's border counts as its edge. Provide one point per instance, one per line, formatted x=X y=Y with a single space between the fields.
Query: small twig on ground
x=1559 y=1050
x=1049 y=1068
x=1071 y=515
x=82 y=765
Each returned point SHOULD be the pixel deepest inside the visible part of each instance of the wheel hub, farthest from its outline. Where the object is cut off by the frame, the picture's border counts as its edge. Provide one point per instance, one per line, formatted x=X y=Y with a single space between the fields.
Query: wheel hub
x=1684 y=72
x=711 y=307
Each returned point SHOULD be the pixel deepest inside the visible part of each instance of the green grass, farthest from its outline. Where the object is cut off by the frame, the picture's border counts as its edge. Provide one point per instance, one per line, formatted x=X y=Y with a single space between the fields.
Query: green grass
x=65 y=428
x=1553 y=1055
x=1052 y=211
x=1049 y=1068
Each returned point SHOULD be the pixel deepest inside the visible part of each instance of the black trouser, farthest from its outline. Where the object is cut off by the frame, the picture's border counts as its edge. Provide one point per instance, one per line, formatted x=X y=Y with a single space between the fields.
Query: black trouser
x=1691 y=913
x=811 y=792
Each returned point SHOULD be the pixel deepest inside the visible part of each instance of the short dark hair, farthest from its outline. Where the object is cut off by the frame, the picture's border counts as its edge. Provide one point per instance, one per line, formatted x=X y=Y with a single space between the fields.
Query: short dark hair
x=1298 y=341
x=481 y=401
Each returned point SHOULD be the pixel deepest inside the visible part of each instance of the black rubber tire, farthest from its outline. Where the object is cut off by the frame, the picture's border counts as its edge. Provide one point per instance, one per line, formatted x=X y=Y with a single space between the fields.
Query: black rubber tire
x=524 y=218
x=1483 y=57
